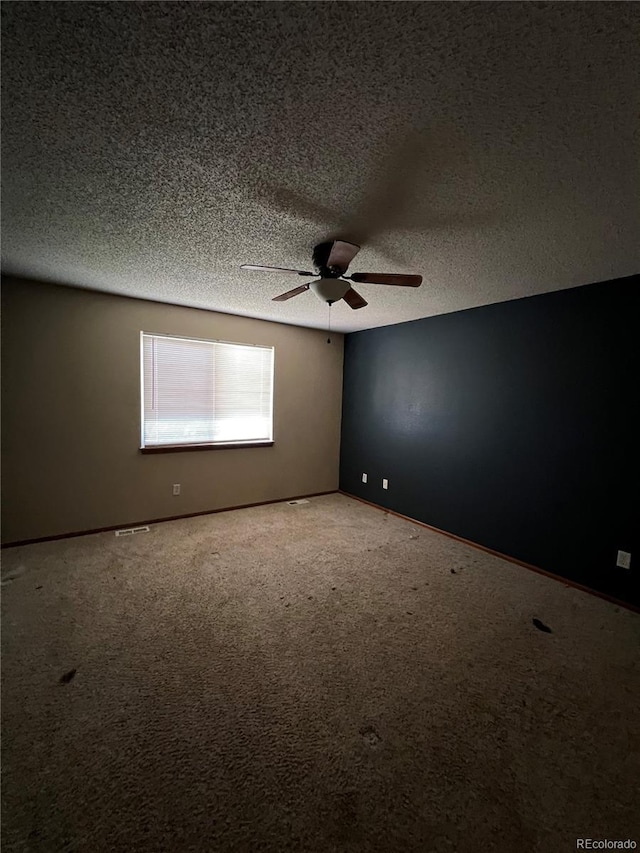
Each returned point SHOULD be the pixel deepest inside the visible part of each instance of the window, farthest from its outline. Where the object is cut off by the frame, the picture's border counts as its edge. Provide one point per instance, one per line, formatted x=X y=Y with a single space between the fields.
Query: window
x=198 y=392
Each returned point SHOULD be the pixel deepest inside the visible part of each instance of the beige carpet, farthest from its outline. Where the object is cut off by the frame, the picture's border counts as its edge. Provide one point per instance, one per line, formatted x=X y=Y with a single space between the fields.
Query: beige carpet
x=324 y=677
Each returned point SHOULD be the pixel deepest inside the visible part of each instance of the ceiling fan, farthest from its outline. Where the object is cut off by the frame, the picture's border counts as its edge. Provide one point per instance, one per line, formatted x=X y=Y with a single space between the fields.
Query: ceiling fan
x=331 y=261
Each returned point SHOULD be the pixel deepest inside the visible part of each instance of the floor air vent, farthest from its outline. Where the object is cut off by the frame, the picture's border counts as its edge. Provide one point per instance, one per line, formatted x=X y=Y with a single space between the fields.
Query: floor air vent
x=131 y=530
x=297 y=503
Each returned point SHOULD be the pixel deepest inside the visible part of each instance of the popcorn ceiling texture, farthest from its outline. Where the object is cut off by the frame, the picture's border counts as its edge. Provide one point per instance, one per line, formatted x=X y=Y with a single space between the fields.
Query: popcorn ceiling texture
x=240 y=686
x=150 y=149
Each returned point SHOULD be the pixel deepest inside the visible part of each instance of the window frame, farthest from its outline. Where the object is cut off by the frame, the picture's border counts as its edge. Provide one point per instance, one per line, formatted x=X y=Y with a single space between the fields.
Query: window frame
x=213 y=445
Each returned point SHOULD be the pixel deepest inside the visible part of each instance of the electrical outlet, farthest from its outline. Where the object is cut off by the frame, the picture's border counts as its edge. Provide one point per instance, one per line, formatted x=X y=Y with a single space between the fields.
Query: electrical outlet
x=176 y=488
x=624 y=560
x=385 y=484
x=364 y=478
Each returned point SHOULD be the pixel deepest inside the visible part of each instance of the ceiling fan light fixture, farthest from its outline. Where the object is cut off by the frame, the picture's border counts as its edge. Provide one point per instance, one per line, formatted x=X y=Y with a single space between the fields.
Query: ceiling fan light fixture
x=329 y=289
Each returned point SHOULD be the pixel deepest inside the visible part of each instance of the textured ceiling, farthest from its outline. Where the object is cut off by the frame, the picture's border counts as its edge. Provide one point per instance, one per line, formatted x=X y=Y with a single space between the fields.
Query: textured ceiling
x=150 y=149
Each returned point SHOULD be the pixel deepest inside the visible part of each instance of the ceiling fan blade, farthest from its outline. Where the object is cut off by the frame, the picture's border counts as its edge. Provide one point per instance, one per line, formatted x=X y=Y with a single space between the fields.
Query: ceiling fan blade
x=353 y=299
x=386 y=278
x=290 y=293
x=341 y=255
x=274 y=269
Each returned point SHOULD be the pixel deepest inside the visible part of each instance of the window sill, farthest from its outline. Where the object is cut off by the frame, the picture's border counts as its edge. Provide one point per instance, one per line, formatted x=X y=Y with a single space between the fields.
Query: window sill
x=179 y=448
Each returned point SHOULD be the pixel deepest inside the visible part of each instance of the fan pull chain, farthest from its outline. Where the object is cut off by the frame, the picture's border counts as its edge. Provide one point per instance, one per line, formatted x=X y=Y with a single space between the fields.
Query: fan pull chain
x=329 y=328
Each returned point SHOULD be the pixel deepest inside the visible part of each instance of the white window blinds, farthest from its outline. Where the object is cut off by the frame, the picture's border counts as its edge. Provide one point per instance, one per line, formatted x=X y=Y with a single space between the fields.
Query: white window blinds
x=196 y=392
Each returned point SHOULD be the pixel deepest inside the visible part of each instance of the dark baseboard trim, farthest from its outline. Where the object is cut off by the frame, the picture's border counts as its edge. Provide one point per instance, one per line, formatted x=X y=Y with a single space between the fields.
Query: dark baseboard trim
x=502 y=556
x=158 y=520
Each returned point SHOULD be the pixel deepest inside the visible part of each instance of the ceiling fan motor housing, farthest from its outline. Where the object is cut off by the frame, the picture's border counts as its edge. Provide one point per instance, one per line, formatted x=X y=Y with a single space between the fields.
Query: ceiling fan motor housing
x=330 y=289
x=324 y=252
x=321 y=256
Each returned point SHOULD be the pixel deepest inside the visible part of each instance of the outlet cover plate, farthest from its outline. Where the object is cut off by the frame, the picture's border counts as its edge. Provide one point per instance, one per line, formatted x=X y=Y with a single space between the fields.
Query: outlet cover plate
x=624 y=560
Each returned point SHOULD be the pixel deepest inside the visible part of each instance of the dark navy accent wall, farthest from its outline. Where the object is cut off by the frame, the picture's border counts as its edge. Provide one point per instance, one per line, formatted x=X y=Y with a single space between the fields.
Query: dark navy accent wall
x=513 y=425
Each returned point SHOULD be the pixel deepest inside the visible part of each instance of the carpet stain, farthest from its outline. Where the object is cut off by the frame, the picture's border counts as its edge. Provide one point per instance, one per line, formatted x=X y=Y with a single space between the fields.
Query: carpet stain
x=370 y=736
x=453 y=572
x=9 y=577
x=39 y=587
x=541 y=626
x=68 y=676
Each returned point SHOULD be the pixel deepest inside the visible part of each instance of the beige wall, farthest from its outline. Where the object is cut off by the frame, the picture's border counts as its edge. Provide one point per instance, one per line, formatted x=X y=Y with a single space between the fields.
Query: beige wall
x=71 y=414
